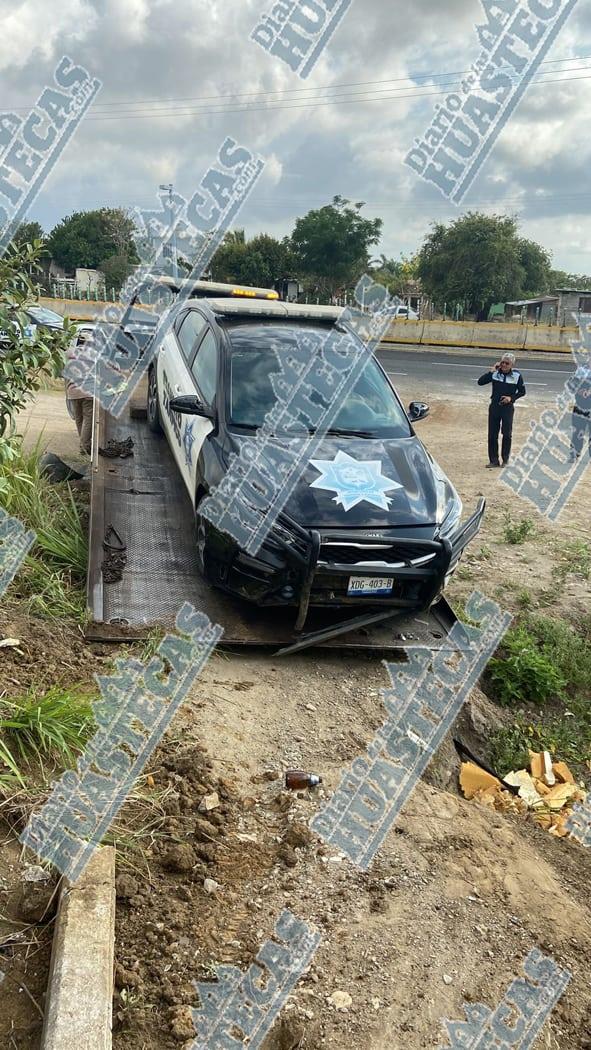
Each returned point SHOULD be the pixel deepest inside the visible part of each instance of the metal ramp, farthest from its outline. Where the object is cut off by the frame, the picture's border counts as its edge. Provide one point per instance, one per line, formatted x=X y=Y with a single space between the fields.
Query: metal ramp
x=144 y=500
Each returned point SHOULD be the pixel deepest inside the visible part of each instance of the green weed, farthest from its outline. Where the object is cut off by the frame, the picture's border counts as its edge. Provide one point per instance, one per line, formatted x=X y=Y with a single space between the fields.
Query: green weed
x=519 y=531
x=575 y=561
x=544 y=663
x=55 y=724
x=52 y=579
x=524 y=673
x=463 y=572
x=524 y=599
x=509 y=749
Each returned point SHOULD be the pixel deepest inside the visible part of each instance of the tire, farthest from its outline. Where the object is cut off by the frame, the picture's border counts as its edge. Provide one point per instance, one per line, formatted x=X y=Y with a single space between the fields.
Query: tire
x=153 y=408
x=199 y=533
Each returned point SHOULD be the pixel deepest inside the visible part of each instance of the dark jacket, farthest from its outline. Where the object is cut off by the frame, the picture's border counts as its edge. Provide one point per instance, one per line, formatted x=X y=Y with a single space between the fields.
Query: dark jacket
x=510 y=385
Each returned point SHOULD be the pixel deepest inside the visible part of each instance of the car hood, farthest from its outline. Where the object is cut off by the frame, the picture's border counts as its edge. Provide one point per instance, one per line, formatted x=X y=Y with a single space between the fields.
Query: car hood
x=348 y=482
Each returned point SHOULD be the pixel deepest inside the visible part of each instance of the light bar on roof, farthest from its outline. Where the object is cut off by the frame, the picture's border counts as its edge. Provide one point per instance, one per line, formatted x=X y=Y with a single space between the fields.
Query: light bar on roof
x=251 y=293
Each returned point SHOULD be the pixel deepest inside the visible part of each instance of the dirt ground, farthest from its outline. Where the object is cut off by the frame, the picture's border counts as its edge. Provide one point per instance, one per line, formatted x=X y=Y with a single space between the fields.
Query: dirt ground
x=456 y=897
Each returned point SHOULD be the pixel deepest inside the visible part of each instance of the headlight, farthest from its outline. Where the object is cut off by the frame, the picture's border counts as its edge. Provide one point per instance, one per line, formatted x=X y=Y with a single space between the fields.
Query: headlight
x=452 y=518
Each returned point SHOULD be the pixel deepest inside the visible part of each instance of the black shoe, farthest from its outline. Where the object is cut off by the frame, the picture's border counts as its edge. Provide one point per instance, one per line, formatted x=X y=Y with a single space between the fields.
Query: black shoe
x=506 y=462
x=489 y=466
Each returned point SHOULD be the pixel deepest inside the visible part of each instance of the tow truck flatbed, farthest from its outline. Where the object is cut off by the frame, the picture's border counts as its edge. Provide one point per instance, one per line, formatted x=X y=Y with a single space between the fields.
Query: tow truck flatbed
x=142 y=498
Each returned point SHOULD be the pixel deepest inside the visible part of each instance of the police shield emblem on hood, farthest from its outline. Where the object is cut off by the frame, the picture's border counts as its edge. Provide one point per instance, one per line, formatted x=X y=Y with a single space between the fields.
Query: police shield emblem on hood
x=366 y=482
x=354 y=481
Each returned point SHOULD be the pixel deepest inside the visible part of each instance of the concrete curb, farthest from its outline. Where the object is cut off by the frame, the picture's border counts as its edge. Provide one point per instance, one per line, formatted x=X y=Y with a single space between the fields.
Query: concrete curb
x=80 y=990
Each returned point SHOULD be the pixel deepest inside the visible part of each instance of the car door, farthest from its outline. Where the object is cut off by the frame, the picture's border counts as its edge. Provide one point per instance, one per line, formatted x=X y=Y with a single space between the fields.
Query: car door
x=204 y=375
x=174 y=375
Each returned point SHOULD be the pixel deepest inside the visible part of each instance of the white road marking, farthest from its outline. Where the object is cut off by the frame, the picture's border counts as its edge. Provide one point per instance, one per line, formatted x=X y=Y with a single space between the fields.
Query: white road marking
x=543 y=371
x=536 y=384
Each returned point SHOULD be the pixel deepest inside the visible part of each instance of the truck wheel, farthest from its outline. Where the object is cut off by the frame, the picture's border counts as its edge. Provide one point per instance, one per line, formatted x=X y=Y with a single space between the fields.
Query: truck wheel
x=152 y=406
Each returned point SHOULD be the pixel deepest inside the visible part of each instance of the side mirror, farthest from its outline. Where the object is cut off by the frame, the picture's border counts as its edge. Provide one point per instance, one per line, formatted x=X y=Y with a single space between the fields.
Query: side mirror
x=190 y=405
x=418 y=410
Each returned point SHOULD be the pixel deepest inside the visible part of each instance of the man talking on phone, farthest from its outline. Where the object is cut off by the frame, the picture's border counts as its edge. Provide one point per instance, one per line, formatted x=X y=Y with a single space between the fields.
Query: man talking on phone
x=507 y=388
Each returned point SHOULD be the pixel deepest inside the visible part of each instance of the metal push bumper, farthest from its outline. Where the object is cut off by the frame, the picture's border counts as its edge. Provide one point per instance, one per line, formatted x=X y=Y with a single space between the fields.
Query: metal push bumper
x=428 y=565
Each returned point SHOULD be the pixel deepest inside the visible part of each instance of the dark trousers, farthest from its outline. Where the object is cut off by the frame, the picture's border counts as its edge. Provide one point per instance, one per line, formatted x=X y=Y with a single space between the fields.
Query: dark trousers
x=500 y=417
x=581 y=432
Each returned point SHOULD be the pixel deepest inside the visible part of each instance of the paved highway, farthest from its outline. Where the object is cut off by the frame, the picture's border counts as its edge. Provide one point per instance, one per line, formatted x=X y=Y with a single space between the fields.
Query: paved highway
x=452 y=373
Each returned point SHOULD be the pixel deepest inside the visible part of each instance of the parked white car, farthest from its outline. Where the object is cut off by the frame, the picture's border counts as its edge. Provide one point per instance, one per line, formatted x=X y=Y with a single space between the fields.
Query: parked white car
x=404 y=312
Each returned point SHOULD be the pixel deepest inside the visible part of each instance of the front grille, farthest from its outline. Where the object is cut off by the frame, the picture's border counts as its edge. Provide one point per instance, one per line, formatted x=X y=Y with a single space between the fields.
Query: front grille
x=360 y=555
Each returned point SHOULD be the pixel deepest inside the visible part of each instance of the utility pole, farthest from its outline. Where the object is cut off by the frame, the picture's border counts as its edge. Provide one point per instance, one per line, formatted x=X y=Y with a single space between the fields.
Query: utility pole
x=175 y=269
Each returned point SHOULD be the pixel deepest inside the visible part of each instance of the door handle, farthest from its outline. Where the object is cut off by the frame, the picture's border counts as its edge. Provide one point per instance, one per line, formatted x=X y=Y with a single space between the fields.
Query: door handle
x=177 y=389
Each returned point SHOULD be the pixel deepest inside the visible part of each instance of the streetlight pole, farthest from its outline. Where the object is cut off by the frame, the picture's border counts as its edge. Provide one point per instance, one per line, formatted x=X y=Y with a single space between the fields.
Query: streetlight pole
x=175 y=270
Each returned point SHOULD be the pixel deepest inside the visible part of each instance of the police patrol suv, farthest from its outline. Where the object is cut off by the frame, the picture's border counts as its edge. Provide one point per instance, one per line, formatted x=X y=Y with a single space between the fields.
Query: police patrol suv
x=372 y=520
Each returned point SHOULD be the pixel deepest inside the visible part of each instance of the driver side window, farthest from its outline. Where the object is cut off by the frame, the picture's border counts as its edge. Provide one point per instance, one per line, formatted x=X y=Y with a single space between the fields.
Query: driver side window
x=205 y=368
x=189 y=331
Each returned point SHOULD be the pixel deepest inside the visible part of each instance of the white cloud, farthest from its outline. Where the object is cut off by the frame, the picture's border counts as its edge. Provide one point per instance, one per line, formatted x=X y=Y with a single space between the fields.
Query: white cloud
x=29 y=28
x=199 y=52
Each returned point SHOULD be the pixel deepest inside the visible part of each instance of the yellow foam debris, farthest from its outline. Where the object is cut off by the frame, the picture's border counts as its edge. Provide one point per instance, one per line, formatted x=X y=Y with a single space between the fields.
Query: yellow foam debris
x=536 y=764
x=563 y=773
x=558 y=796
x=473 y=780
x=544 y=820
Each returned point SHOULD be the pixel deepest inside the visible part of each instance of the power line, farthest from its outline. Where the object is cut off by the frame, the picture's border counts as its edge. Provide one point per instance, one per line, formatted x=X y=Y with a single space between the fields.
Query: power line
x=324 y=87
x=309 y=104
x=129 y=103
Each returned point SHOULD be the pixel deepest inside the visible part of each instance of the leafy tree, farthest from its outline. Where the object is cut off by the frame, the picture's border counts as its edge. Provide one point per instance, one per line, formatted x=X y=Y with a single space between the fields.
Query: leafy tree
x=278 y=256
x=89 y=238
x=235 y=237
x=395 y=274
x=259 y=262
x=332 y=244
x=562 y=279
x=227 y=262
x=24 y=359
x=116 y=269
x=480 y=260
x=27 y=233
x=535 y=261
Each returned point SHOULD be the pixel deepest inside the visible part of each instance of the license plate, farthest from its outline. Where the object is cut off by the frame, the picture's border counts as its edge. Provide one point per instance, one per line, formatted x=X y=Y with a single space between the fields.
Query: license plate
x=368 y=585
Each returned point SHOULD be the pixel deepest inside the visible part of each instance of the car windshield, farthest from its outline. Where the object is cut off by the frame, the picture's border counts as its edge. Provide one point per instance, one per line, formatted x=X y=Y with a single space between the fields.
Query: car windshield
x=260 y=353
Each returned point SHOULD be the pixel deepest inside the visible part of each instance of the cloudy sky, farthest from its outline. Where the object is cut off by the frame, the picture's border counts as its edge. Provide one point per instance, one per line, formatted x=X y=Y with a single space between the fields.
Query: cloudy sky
x=181 y=75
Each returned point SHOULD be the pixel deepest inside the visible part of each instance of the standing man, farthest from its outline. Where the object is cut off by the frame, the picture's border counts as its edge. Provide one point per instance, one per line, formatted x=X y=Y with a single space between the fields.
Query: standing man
x=507 y=388
x=78 y=400
x=581 y=419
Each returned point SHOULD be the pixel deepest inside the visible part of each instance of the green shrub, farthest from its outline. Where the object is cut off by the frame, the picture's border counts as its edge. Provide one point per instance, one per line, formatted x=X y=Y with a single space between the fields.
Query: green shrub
x=524 y=672
x=518 y=532
x=544 y=660
x=508 y=749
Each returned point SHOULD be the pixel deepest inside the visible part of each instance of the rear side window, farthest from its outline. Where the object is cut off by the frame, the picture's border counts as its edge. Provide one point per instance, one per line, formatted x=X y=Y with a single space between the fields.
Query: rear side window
x=190 y=330
x=205 y=368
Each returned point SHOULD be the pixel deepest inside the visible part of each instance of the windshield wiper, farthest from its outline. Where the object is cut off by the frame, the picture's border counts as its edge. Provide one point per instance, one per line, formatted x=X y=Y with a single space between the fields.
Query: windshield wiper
x=341 y=432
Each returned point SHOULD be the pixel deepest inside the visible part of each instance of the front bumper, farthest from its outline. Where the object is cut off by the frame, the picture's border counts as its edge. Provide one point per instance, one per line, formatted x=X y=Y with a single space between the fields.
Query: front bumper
x=302 y=568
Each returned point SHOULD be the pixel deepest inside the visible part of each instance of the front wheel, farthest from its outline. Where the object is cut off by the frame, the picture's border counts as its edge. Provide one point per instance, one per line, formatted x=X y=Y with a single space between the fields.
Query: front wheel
x=200 y=532
x=153 y=406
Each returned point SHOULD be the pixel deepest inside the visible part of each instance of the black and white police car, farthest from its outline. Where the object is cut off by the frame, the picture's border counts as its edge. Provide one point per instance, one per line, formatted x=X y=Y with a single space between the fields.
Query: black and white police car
x=373 y=520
